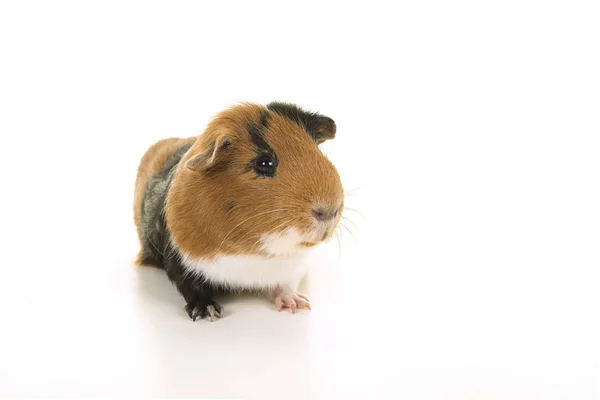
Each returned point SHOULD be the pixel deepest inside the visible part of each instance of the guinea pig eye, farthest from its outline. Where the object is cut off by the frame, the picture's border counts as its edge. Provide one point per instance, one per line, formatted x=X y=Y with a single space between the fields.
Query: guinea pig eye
x=265 y=165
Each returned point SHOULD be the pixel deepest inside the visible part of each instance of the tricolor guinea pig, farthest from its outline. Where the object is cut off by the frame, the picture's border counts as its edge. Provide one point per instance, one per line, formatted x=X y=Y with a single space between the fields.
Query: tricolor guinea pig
x=239 y=207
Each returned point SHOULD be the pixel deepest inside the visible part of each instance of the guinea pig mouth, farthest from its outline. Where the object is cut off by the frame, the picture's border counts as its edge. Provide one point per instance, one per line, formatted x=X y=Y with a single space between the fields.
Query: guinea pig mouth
x=316 y=238
x=308 y=244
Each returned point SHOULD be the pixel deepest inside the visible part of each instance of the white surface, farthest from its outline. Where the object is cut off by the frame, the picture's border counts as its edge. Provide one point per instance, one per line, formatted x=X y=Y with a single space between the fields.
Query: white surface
x=468 y=136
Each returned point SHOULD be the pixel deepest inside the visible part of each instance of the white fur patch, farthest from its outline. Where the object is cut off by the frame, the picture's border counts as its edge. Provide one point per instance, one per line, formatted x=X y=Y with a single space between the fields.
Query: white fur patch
x=285 y=242
x=286 y=267
x=251 y=272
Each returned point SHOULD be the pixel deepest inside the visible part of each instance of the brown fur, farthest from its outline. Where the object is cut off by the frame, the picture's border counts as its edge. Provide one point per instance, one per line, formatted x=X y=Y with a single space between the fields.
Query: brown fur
x=152 y=162
x=225 y=208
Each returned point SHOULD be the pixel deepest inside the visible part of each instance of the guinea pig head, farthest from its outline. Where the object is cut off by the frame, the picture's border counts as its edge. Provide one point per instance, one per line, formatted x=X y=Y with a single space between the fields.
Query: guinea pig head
x=256 y=182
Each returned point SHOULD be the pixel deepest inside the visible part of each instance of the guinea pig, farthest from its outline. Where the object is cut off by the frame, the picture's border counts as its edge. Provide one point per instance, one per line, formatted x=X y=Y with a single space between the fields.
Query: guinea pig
x=240 y=206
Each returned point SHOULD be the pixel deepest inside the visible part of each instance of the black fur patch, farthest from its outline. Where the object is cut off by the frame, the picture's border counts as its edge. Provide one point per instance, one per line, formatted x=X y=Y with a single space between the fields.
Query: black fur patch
x=319 y=127
x=256 y=132
x=196 y=290
x=264 y=118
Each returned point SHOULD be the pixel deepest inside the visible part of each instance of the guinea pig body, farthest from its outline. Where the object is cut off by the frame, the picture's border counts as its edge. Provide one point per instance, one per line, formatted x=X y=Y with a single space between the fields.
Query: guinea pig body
x=239 y=206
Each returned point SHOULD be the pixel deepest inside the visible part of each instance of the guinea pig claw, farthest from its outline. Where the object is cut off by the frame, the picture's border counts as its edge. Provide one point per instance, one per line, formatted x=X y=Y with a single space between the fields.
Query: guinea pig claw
x=212 y=312
x=293 y=301
x=278 y=303
x=200 y=311
x=302 y=297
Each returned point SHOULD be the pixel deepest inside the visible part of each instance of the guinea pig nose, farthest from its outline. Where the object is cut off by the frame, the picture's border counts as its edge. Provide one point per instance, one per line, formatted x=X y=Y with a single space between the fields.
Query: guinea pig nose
x=324 y=214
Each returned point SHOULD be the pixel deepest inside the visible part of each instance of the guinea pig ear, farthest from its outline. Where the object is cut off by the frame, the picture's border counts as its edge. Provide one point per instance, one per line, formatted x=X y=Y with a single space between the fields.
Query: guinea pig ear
x=319 y=127
x=324 y=129
x=207 y=158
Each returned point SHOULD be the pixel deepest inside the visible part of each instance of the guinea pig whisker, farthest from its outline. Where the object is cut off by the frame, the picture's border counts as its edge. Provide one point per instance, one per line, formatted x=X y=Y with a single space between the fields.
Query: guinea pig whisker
x=352 y=191
x=254 y=245
x=171 y=253
x=342 y=224
x=354 y=210
x=244 y=221
x=155 y=248
x=352 y=222
x=337 y=237
x=280 y=225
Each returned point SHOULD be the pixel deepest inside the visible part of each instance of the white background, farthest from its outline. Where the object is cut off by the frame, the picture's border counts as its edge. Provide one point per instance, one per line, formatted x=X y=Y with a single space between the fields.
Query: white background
x=468 y=138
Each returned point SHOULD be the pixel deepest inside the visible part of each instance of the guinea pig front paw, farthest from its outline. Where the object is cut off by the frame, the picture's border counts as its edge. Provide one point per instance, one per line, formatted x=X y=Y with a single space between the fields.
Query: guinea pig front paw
x=291 y=300
x=202 y=307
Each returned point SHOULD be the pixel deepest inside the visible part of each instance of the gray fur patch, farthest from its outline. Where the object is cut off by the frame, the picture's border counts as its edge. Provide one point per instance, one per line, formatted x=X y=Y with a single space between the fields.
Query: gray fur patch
x=153 y=206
